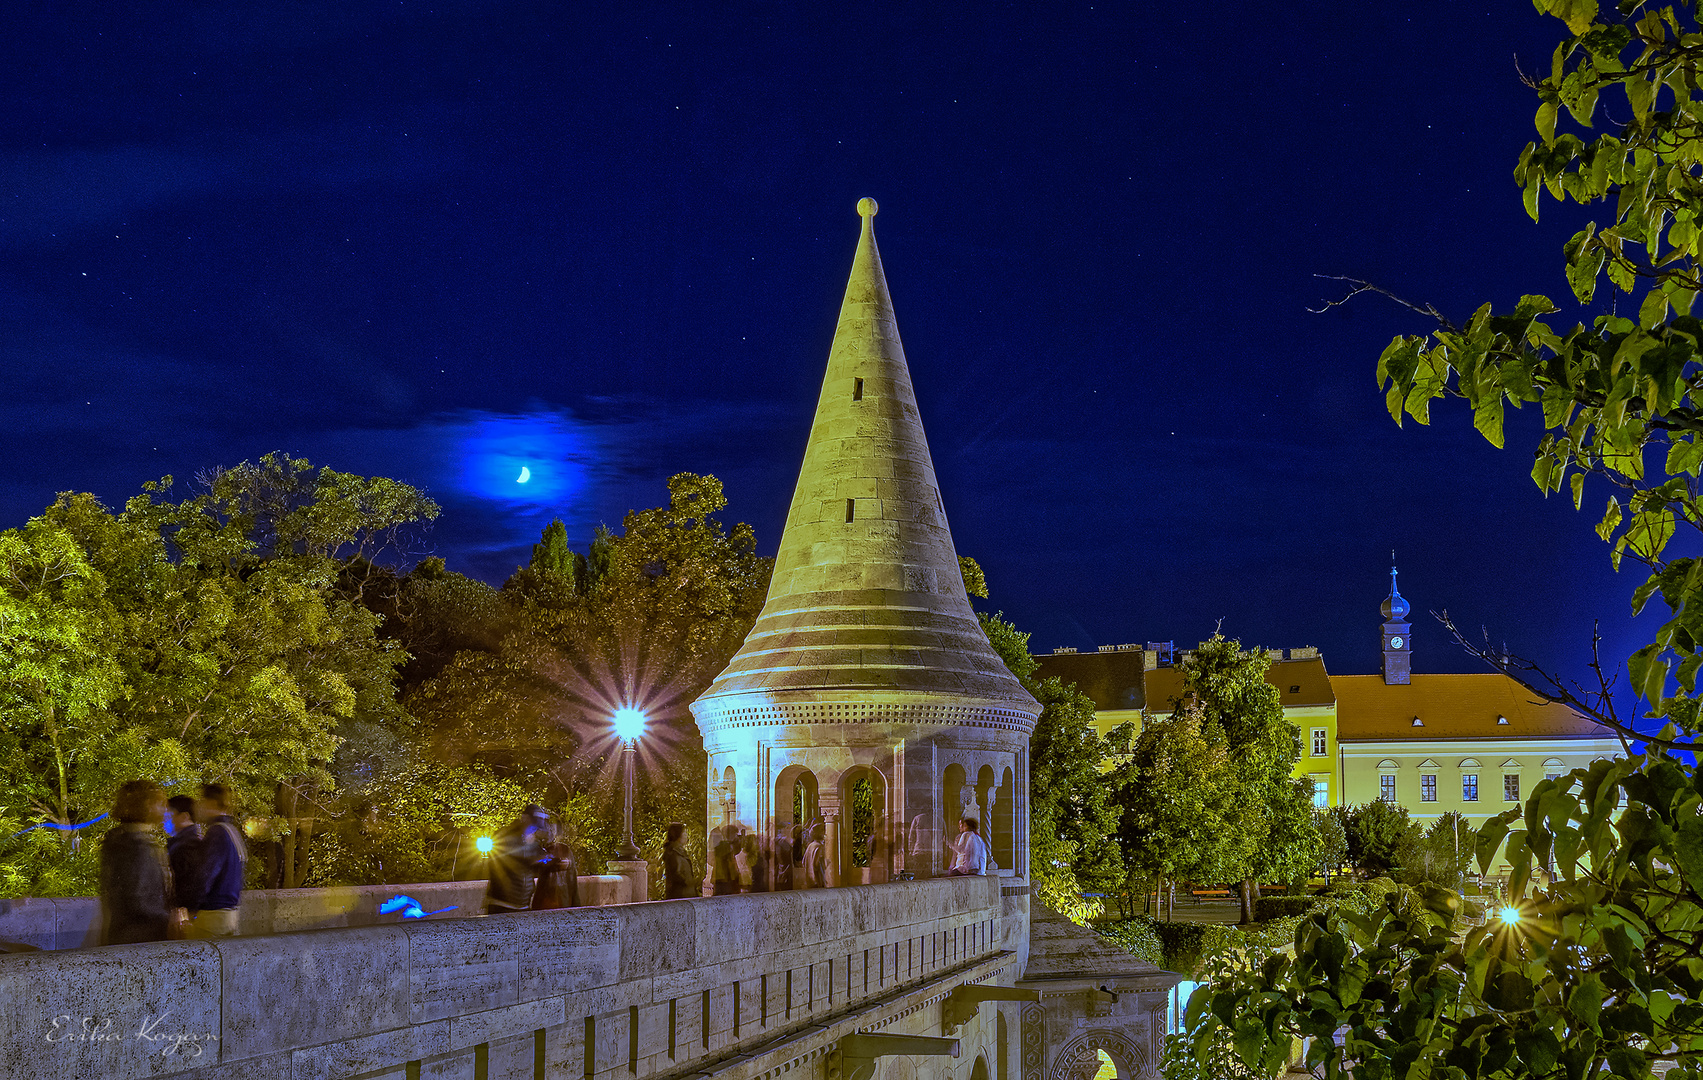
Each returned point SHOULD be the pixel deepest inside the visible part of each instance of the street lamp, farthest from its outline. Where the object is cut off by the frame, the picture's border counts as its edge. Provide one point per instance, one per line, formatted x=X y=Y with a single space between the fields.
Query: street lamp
x=629 y=725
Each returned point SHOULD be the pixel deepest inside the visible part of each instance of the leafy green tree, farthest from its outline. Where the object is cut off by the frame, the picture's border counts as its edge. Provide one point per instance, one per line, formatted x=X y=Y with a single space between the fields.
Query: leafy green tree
x=215 y=629
x=1597 y=974
x=1269 y=823
x=1444 y=854
x=645 y=618
x=1176 y=789
x=1073 y=822
x=1333 y=841
x=1382 y=838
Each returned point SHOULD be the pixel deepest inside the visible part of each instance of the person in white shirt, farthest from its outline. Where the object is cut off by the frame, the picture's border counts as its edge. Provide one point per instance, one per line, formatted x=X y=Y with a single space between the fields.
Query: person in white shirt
x=970 y=852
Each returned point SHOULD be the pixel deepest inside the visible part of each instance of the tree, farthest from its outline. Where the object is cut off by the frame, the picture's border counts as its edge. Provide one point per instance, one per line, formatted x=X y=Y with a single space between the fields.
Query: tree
x=1598 y=974
x=1333 y=841
x=1072 y=820
x=645 y=618
x=1444 y=855
x=215 y=626
x=1382 y=838
x=1176 y=789
x=1269 y=829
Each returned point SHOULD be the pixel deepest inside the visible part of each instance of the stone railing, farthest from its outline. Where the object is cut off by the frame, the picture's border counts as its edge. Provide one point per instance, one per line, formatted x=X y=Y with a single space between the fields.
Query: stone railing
x=73 y=922
x=713 y=984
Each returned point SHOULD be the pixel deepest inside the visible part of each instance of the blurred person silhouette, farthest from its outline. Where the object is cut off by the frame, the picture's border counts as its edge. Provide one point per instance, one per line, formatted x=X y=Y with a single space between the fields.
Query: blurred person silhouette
x=724 y=870
x=518 y=856
x=783 y=860
x=558 y=884
x=222 y=858
x=135 y=877
x=183 y=851
x=757 y=857
x=679 y=876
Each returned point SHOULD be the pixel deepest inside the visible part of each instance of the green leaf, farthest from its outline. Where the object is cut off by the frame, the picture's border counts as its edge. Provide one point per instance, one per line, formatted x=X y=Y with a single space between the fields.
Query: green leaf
x=1653 y=310
x=1578 y=482
x=1647 y=672
x=1546 y=121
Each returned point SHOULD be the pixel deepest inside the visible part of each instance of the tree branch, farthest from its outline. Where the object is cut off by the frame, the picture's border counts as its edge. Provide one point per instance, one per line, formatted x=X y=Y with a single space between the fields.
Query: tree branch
x=1429 y=310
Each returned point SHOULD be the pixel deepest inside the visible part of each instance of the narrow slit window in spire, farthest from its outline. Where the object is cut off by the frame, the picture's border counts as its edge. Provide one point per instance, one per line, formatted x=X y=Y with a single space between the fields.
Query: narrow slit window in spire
x=857 y=389
x=851 y=510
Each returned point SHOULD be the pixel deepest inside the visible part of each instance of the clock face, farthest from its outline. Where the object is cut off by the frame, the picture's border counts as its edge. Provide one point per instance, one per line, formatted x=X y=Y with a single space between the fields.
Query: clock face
x=1397 y=642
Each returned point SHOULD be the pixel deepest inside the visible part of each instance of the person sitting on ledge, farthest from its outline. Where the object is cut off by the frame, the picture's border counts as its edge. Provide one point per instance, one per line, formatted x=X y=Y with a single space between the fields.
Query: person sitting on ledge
x=970 y=853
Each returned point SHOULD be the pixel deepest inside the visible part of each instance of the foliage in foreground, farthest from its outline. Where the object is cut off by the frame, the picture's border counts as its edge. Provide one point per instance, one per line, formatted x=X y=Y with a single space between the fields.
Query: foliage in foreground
x=1602 y=975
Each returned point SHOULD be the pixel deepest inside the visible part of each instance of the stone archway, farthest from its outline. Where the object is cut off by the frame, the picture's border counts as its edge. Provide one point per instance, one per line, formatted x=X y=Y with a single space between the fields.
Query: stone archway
x=1080 y=1058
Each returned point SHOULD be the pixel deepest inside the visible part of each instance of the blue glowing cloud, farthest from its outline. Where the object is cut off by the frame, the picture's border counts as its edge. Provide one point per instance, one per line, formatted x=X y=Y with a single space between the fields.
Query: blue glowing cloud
x=535 y=459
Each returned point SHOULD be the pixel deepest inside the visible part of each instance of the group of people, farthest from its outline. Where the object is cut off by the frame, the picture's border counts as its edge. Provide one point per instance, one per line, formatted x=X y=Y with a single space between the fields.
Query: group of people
x=170 y=868
x=531 y=868
x=796 y=858
x=174 y=868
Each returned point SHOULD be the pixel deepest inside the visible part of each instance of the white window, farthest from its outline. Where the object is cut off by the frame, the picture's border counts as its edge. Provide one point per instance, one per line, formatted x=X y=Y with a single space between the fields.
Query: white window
x=1321 y=792
x=1469 y=787
x=1387 y=788
x=1510 y=787
x=1428 y=787
x=1321 y=741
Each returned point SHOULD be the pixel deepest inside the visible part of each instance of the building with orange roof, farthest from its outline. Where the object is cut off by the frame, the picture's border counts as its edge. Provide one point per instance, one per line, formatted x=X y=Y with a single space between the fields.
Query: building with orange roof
x=1126 y=681
x=1473 y=744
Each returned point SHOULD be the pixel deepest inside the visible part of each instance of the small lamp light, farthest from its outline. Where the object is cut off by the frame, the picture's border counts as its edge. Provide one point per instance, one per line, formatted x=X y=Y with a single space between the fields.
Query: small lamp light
x=1509 y=916
x=483 y=844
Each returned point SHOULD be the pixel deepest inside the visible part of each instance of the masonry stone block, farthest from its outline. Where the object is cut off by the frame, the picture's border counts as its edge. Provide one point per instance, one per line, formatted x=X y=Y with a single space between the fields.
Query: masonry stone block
x=564 y=1050
x=370 y=1053
x=751 y=924
x=511 y=1058
x=459 y=1065
x=657 y=938
x=494 y=1024
x=126 y=1010
x=269 y=1067
x=28 y=921
x=462 y=966
x=300 y=989
x=577 y=949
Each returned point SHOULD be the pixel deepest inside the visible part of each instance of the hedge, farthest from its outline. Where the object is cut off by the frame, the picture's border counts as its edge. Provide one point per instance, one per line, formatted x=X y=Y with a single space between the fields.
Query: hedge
x=1267 y=908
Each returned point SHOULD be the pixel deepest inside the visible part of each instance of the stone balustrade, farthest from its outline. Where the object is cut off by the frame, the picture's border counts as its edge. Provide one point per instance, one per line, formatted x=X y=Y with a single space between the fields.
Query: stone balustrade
x=72 y=922
x=732 y=985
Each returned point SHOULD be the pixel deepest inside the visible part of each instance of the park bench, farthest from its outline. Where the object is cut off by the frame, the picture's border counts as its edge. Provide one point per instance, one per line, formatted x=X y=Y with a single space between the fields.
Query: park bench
x=1198 y=893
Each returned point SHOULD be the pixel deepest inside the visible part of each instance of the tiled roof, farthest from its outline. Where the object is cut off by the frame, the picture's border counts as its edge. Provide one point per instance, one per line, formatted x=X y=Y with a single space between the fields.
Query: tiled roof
x=1299 y=683
x=1451 y=707
x=1112 y=679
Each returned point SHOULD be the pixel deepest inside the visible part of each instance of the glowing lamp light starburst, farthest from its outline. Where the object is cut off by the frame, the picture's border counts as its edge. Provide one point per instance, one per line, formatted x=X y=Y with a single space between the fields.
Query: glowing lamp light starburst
x=1509 y=916
x=629 y=724
x=483 y=844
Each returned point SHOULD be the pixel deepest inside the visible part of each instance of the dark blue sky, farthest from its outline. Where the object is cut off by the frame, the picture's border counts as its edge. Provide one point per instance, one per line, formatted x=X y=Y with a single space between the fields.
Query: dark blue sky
x=607 y=243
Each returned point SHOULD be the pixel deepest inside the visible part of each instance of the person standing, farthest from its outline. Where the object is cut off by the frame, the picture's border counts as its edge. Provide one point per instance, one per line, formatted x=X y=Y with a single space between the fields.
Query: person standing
x=221 y=867
x=679 y=879
x=757 y=857
x=518 y=855
x=183 y=850
x=970 y=853
x=558 y=885
x=135 y=877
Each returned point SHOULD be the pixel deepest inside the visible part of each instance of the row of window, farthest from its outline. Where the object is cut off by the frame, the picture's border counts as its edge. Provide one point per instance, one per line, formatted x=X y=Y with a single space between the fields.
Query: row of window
x=1469 y=787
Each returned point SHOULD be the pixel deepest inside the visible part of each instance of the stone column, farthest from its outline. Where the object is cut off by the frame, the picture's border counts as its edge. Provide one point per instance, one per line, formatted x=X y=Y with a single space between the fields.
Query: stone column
x=635 y=880
x=828 y=805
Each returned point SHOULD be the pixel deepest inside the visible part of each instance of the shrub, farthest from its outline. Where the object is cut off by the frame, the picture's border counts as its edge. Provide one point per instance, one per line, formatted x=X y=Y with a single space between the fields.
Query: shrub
x=1136 y=937
x=1267 y=908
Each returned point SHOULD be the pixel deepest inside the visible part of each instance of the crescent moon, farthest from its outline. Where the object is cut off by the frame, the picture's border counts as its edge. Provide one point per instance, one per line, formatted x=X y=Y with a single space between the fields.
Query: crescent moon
x=525 y=475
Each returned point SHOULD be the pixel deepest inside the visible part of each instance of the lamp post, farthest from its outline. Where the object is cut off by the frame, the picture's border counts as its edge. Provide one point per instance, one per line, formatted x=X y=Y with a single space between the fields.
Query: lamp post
x=629 y=725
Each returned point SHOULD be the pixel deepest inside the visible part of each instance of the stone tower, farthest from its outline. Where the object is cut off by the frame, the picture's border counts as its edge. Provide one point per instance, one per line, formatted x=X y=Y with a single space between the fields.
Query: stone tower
x=1398 y=646
x=867 y=665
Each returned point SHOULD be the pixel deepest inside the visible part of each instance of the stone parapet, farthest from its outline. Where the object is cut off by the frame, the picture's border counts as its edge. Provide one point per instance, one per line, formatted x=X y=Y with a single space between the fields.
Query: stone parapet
x=71 y=922
x=613 y=993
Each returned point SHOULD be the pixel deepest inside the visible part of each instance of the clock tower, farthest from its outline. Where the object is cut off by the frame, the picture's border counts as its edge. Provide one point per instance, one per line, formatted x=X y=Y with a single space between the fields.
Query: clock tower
x=1397 y=644
x=1398 y=659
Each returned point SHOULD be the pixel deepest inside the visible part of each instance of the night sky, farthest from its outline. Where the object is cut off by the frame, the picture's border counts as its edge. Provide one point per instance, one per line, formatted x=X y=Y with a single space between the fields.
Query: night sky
x=607 y=243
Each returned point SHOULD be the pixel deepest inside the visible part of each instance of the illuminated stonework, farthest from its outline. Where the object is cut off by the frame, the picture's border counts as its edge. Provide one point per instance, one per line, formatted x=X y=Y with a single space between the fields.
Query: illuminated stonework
x=867 y=664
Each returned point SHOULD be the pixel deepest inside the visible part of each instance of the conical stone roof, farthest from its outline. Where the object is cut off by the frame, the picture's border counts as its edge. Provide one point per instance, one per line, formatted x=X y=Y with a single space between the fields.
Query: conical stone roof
x=867 y=596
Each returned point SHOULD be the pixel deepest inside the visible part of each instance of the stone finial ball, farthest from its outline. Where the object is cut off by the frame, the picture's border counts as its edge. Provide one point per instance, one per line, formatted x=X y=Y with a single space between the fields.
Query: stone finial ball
x=866 y=208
